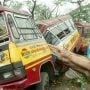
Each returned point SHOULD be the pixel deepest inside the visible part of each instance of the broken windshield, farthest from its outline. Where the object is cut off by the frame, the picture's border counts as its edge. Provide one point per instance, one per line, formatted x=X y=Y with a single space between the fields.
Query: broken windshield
x=23 y=28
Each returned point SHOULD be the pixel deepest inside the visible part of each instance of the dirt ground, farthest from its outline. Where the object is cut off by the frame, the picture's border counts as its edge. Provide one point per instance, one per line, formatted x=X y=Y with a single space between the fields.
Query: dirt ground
x=62 y=83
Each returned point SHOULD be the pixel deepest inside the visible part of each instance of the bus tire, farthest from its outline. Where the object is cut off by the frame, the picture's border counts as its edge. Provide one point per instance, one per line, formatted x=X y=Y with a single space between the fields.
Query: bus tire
x=44 y=84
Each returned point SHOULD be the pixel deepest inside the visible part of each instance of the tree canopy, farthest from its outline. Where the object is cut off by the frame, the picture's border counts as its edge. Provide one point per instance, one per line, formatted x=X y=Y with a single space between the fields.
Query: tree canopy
x=84 y=16
x=41 y=12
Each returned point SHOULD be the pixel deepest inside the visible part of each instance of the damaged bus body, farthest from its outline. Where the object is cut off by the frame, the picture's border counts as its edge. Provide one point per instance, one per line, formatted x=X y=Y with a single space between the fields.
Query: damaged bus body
x=24 y=53
x=61 y=32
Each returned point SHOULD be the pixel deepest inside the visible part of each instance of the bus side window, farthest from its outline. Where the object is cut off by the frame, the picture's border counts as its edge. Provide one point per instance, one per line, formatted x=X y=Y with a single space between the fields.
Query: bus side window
x=13 y=27
x=67 y=31
x=61 y=35
x=50 y=38
x=72 y=24
x=69 y=25
x=2 y=26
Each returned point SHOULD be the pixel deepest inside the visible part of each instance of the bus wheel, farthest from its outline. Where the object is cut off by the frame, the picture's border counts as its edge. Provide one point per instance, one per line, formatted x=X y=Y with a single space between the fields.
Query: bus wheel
x=44 y=84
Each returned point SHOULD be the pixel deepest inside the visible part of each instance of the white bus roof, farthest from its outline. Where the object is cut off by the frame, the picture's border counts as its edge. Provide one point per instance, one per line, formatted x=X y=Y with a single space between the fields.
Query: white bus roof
x=53 y=21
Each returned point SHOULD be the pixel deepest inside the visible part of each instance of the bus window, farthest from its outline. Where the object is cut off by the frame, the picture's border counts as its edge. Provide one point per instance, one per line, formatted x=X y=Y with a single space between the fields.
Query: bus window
x=67 y=31
x=28 y=28
x=50 y=38
x=72 y=23
x=62 y=26
x=55 y=29
x=63 y=30
x=13 y=27
x=2 y=26
x=61 y=35
x=25 y=27
x=58 y=28
x=69 y=25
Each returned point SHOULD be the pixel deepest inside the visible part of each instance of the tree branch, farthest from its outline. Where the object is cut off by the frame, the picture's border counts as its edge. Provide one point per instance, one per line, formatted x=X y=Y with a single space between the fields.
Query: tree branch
x=79 y=1
x=32 y=12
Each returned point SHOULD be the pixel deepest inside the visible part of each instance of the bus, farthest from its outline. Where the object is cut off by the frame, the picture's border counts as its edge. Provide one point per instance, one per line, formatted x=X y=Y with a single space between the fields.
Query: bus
x=25 y=58
x=61 y=32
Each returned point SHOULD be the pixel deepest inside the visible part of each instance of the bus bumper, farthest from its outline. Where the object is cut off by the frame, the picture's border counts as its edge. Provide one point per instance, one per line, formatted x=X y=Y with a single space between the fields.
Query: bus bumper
x=19 y=85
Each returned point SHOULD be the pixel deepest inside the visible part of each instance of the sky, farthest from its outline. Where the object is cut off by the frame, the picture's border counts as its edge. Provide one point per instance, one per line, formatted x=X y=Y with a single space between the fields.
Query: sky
x=65 y=8
x=62 y=10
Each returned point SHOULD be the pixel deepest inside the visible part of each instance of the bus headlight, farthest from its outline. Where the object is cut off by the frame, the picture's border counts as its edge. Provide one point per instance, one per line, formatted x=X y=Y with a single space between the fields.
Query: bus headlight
x=19 y=72
x=8 y=75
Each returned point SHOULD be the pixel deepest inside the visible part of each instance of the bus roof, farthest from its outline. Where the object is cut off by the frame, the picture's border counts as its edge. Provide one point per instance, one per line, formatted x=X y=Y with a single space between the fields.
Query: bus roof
x=4 y=8
x=51 y=22
x=44 y=24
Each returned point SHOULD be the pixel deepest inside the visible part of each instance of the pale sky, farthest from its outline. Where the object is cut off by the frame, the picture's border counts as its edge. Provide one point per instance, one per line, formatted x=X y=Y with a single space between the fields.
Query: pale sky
x=63 y=9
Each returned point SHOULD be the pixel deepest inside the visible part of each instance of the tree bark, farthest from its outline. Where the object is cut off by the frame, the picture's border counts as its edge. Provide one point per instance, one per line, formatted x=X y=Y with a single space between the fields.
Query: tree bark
x=33 y=9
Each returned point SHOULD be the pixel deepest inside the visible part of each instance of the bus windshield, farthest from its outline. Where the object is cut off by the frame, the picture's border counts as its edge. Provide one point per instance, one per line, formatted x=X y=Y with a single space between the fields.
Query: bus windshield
x=50 y=38
x=2 y=26
x=23 y=28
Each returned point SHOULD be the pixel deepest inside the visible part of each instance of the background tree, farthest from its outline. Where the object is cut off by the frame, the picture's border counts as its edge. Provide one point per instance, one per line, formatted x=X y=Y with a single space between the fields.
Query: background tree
x=42 y=12
x=38 y=11
x=31 y=5
x=12 y=4
x=84 y=15
x=79 y=3
x=57 y=4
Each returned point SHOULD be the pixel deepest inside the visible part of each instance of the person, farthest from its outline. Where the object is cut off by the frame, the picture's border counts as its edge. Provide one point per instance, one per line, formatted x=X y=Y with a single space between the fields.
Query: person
x=75 y=61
